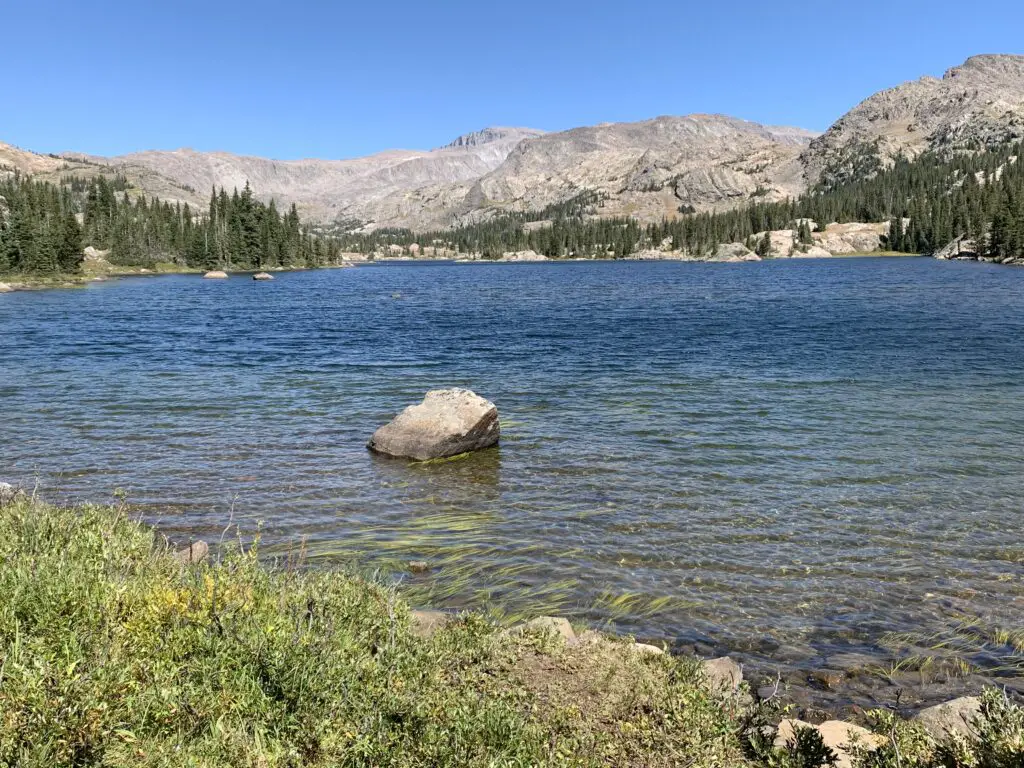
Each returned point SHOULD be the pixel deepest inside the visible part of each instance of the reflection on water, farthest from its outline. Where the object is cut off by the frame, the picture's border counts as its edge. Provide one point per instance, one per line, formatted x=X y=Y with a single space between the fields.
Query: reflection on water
x=807 y=456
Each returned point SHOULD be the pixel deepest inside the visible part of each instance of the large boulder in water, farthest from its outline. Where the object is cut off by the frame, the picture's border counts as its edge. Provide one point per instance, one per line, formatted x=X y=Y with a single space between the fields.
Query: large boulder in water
x=216 y=274
x=448 y=422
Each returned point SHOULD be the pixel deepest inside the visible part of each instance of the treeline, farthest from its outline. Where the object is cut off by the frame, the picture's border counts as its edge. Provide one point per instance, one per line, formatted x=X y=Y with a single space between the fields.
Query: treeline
x=235 y=232
x=978 y=195
x=44 y=227
x=570 y=227
x=39 y=231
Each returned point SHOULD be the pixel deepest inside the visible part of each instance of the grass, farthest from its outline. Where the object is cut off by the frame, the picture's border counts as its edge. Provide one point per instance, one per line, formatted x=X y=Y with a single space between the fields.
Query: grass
x=114 y=654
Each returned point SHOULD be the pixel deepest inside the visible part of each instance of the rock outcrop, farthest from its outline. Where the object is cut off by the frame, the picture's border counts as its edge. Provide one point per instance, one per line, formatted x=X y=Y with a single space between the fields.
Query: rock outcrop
x=6 y=288
x=958 y=248
x=854 y=237
x=734 y=252
x=979 y=102
x=523 y=256
x=448 y=422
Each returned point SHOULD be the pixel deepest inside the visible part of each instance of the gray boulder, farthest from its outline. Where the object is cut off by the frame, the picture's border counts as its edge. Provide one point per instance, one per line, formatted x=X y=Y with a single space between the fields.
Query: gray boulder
x=448 y=422
x=950 y=717
x=195 y=552
x=723 y=674
x=8 y=493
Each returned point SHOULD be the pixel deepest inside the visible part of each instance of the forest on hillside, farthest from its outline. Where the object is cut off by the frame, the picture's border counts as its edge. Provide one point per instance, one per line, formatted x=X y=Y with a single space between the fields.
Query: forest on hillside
x=44 y=227
x=976 y=194
x=929 y=200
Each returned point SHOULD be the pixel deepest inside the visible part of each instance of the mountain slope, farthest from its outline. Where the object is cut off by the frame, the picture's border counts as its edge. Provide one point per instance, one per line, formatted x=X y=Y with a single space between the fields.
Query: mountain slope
x=325 y=190
x=977 y=103
x=646 y=169
x=649 y=170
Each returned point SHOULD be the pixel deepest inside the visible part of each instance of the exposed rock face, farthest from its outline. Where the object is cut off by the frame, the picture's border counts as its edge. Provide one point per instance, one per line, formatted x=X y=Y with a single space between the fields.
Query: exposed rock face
x=959 y=248
x=5 y=288
x=448 y=422
x=734 y=252
x=647 y=169
x=951 y=717
x=852 y=238
x=328 y=190
x=810 y=252
x=523 y=256
x=981 y=101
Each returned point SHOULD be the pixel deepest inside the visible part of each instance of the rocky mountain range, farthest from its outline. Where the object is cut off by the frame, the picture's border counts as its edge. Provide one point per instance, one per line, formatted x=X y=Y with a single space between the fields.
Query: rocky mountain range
x=648 y=169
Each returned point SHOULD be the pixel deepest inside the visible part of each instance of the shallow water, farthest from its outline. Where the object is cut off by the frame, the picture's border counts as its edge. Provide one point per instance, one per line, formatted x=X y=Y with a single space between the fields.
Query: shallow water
x=811 y=453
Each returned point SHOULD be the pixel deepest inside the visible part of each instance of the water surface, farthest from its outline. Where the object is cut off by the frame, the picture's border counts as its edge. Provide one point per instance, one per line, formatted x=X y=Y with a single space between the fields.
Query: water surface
x=812 y=454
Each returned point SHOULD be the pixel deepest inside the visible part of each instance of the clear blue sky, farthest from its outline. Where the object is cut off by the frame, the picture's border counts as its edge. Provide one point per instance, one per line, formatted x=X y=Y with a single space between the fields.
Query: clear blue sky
x=338 y=79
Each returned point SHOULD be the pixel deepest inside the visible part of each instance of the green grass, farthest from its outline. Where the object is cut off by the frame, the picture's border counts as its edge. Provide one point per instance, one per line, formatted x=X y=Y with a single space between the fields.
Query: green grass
x=114 y=654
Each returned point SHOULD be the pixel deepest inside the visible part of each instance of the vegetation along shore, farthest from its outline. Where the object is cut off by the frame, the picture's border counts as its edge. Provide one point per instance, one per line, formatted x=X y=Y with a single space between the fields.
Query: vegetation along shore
x=119 y=650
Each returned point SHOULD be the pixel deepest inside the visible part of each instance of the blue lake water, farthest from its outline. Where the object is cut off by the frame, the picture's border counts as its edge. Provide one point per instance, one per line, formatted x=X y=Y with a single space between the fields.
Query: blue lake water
x=811 y=453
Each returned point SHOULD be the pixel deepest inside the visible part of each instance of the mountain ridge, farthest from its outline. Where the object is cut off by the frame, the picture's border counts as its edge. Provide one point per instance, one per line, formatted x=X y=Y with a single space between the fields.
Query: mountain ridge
x=649 y=169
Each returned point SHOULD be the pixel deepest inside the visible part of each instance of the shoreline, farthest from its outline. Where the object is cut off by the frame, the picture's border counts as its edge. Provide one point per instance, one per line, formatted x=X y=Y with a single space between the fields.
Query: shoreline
x=20 y=283
x=212 y=621
x=838 y=683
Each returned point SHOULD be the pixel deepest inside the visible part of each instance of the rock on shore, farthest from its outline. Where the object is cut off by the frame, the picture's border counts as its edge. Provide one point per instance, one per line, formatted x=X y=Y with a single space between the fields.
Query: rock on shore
x=8 y=493
x=448 y=422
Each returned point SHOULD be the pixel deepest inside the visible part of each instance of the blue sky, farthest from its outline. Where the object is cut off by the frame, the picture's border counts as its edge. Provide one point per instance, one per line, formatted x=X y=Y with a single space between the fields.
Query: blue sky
x=333 y=79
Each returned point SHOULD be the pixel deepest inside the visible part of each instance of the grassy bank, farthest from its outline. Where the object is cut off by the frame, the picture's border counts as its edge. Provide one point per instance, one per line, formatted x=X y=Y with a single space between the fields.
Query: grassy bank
x=114 y=653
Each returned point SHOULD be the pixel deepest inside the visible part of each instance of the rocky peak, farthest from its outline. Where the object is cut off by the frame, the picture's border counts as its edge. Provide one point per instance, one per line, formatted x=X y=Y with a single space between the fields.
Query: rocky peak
x=979 y=102
x=990 y=65
x=490 y=135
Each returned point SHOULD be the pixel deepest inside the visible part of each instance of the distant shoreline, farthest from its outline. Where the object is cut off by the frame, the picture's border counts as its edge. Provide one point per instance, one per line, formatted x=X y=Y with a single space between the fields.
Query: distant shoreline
x=18 y=283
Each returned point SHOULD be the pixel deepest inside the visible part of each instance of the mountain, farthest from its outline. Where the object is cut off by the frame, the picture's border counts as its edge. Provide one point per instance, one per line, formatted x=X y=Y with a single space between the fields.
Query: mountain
x=650 y=170
x=324 y=190
x=646 y=169
x=980 y=102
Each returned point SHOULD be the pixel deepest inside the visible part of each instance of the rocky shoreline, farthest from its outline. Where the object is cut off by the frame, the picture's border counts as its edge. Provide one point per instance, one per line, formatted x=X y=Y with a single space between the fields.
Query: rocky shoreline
x=592 y=656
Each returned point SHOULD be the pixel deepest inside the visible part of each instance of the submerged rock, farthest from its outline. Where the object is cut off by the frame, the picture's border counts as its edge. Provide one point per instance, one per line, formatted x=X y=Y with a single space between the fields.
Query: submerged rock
x=262 y=276
x=448 y=422
x=215 y=274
